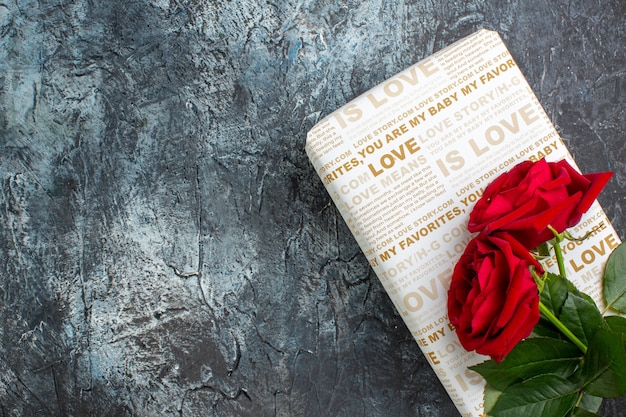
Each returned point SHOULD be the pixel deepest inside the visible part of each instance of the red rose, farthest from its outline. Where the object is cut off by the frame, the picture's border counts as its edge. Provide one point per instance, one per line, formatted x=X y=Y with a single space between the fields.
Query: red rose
x=493 y=300
x=533 y=195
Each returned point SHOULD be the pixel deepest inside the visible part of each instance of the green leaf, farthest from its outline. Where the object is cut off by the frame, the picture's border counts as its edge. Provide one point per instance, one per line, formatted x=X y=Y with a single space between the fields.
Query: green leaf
x=604 y=369
x=490 y=396
x=590 y=403
x=531 y=357
x=543 y=250
x=581 y=316
x=615 y=280
x=554 y=293
x=544 y=328
x=580 y=412
x=617 y=324
x=542 y=396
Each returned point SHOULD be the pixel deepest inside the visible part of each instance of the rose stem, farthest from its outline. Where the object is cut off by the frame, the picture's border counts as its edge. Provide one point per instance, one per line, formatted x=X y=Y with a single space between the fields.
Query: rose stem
x=546 y=312
x=559 y=258
x=558 y=252
x=567 y=332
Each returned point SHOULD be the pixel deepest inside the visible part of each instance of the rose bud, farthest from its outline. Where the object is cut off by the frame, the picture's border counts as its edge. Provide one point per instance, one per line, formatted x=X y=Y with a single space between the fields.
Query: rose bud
x=535 y=195
x=493 y=300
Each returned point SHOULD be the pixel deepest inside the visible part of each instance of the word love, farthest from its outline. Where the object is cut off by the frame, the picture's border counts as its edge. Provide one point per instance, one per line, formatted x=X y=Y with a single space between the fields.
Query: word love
x=388 y=160
x=588 y=256
x=387 y=93
x=493 y=136
x=470 y=196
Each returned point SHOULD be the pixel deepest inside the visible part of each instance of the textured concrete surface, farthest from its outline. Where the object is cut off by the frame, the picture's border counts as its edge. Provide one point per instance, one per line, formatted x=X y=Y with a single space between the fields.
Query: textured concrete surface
x=167 y=249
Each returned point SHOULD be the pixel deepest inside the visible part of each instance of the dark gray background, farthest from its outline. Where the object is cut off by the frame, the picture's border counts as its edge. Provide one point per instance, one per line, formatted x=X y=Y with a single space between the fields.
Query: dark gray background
x=166 y=248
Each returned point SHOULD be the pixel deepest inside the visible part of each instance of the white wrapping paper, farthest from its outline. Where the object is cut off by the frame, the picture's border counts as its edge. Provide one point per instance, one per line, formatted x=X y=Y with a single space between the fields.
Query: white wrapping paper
x=406 y=161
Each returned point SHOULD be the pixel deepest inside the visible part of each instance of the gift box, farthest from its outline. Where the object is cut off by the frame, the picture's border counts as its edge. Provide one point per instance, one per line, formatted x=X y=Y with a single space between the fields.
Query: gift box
x=406 y=161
